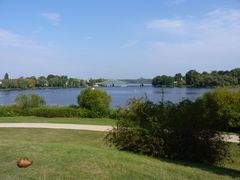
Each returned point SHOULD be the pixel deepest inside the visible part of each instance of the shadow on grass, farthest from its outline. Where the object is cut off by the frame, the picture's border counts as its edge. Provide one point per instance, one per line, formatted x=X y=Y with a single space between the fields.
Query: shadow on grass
x=233 y=173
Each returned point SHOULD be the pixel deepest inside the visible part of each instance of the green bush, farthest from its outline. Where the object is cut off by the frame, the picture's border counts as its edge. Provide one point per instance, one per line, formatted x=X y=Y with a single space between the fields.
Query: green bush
x=48 y=111
x=95 y=100
x=29 y=100
x=176 y=131
x=12 y=110
x=55 y=111
x=61 y=111
x=223 y=105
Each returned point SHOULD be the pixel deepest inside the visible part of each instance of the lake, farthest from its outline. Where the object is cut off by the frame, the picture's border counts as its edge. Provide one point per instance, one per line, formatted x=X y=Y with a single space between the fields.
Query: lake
x=119 y=95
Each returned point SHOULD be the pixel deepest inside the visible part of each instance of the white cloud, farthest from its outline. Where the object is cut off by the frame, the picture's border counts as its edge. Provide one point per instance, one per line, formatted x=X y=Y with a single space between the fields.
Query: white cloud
x=206 y=43
x=166 y=24
x=8 y=38
x=214 y=23
x=222 y=19
x=226 y=15
x=225 y=20
x=52 y=16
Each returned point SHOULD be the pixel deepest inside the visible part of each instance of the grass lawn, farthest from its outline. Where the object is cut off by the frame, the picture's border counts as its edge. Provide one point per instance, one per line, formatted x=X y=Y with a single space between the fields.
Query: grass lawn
x=33 y=119
x=71 y=154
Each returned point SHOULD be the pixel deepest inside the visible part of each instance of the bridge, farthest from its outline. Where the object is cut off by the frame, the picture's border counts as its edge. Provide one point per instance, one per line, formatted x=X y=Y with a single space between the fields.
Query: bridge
x=112 y=82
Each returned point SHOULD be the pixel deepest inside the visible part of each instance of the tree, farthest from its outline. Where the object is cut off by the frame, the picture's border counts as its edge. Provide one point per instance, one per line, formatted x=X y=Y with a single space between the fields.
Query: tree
x=175 y=131
x=6 y=76
x=179 y=79
x=6 y=82
x=31 y=82
x=163 y=81
x=50 y=76
x=91 y=82
x=95 y=100
x=236 y=72
x=191 y=77
x=42 y=82
x=29 y=100
x=222 y=106
x=73 y=83
x=22 y=83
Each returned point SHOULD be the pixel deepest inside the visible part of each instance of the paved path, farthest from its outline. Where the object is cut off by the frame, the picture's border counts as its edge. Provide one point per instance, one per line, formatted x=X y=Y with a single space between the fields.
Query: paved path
x=56 y=126
x=232 y=138
x=229 y=138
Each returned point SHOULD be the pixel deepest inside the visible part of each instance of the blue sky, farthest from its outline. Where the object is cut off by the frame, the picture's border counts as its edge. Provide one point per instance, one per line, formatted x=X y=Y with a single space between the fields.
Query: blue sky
x=118 y=38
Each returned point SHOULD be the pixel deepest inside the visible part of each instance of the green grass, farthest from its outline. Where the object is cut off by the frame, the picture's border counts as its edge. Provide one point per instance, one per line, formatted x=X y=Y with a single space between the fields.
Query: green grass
x=32 y=119
x=71 y=154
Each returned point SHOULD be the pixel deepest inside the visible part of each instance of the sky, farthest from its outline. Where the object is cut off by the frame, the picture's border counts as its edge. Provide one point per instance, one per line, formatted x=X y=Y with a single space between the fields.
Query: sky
x=117 y=39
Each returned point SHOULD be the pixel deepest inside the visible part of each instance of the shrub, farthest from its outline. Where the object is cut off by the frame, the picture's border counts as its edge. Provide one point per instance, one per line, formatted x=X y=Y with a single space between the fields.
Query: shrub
x=223 y=105
x=95 y=100
x=176 y=131
x=29 y=100
x=54 y=111
x=73 y=106
x=61 y=111
x=11 y=110
x=194 y=135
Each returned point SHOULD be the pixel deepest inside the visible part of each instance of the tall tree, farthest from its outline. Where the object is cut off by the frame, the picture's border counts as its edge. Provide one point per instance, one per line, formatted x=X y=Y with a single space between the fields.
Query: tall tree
x=6 y=76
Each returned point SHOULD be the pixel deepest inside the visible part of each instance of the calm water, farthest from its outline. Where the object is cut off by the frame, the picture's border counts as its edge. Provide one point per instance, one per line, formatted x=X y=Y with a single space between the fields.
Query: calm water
x=119 y=95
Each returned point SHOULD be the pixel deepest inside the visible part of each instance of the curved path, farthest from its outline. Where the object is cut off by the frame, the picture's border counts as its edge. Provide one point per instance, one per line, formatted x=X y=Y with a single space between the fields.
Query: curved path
x=56 y=126
x=228 y=138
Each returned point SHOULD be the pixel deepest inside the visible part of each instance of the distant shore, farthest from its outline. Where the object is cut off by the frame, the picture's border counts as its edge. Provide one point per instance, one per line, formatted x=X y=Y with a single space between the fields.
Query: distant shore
x=127 y=85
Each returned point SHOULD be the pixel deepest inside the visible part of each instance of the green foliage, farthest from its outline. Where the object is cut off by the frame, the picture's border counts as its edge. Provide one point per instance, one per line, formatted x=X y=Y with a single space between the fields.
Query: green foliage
x=195 y=79
x=55 y=111
x=12 y=110
x=47 y=111
x=42 y=82
x=163 y=81
x=223 y=105
x=29 y=100
x=61 y=111
x=32 y=105
x=57 y=81
x=74 y=83
x=181 y=131
x=95 y=100
x=6 y=76
x=53 y=81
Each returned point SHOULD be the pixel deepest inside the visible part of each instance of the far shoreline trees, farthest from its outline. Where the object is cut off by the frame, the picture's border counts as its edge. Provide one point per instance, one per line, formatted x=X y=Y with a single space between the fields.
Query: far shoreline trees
x=192 y=78
x=201 y=80
x=51 y=81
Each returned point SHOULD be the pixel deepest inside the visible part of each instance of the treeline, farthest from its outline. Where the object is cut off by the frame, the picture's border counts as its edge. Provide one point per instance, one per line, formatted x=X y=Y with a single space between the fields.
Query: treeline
x=53 y=81
x=195 y=79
